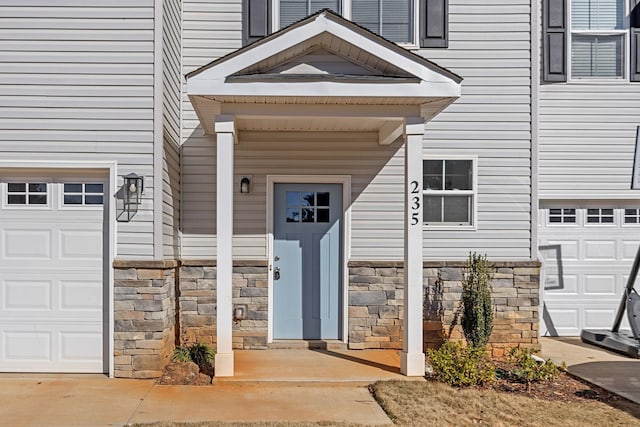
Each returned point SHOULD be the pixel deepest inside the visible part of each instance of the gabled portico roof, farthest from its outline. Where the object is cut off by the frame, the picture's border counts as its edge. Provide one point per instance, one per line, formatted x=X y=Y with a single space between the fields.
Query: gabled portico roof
x=323 y=59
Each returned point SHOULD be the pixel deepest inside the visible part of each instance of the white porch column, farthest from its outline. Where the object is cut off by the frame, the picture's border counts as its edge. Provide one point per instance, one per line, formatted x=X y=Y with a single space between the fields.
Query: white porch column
x=225 y=139
x=412 y=358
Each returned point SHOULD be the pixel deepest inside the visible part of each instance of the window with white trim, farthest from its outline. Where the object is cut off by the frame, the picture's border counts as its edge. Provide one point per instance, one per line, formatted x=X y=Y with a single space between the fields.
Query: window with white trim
x=82 y=194
x=631 y=216
x=598 y=39
x=600 y=216
x=562 y=216
x=449 y=191
x=27 y=193
x=393 y=19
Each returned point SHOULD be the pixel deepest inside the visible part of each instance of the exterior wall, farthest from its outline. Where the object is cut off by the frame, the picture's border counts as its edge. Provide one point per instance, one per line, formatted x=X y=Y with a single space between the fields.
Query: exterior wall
x=197 y=302
x=489 y=46
x=172 y=66
x=144 y=312
x=76 y=84
x=587 y=140
x=376 y=293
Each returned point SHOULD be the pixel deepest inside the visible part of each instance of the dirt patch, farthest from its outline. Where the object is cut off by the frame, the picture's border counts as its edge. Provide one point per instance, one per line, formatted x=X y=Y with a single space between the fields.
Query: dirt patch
x=564 y=388
x=183 y=373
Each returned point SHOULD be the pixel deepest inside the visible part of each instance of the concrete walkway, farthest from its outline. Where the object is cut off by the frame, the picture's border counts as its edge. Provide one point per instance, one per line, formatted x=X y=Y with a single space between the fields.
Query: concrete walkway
x=272 y=385
x=611 y=371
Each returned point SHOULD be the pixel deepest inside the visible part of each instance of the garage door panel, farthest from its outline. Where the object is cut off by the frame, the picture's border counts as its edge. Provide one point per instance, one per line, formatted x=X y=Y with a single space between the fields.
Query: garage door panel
x=599 y=284
x=565 y=284
x=598 y=318
x=81 y=295
x=565 y=320
x=20 y=345
x=24 y=244
x=629 y=249
x=26 y=295
x=567 y=249
x=81 y=346
x=583 y=286
x=599 y=250
x=80 y=244
x=52 y=289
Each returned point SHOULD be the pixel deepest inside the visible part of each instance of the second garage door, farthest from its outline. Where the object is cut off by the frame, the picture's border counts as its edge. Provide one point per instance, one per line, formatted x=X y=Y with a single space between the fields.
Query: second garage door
x=52 y=292
x=587 y=253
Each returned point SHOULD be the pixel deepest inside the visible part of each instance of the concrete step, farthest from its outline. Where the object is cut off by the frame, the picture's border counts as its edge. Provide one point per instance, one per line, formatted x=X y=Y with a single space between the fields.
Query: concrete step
x=307 y=345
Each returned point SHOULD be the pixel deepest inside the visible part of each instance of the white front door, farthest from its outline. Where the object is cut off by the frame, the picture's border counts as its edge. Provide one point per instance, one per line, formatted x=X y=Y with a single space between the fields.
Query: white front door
x=587 y=253
x=52 y=270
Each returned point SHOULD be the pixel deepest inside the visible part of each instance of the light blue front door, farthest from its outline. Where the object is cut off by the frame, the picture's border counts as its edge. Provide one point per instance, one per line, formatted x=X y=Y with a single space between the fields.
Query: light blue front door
x=307 y=261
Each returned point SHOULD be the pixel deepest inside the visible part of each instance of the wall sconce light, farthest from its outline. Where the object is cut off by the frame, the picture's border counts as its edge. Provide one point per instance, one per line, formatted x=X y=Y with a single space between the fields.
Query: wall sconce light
x=245 y=184
x=129 y=197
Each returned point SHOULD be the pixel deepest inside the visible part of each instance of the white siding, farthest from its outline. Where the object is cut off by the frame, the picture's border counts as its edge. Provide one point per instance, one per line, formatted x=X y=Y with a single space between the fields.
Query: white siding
x=489 y=47
x=76 y=83
x=587 y=140
x=172 y=68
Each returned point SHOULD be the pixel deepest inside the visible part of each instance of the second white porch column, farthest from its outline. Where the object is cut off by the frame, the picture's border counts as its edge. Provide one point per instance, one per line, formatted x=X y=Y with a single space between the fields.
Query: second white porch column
x=412 y=358
x=225 y=139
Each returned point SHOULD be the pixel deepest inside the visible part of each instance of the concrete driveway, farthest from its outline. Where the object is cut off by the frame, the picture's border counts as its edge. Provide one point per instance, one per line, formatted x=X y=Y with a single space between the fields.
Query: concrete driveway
x=611 y=371
x=271 y=385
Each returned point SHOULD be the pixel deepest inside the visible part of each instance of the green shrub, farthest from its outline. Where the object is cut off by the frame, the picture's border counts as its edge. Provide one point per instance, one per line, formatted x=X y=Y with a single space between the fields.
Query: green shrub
x=198 y=353
x=477 y=310
x=527 y=369
x=181 y=354
x=202 y=354
x=459 y=366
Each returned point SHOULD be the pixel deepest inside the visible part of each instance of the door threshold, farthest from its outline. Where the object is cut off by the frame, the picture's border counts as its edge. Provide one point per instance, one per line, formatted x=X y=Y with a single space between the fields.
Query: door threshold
x=307 y=345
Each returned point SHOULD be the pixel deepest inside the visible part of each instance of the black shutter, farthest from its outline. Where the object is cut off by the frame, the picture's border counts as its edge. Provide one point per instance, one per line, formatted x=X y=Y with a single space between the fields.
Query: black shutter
x=434 y=23
x=554 y=40
x=256 y=20
x=634 y=21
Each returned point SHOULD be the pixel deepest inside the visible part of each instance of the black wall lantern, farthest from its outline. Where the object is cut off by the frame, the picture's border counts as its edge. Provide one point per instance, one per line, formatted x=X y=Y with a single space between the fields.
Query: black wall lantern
x=245 y=184
x=129 y=196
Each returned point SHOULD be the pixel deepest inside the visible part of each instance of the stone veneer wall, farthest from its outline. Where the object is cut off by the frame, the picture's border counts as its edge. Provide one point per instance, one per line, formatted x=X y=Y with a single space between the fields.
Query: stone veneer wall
x=144 y=317
x=376 y=298
x=197 y=303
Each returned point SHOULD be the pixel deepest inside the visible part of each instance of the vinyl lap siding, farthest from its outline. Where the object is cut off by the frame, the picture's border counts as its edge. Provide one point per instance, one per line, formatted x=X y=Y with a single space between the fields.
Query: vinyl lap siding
x=587 y=140
x=211 y=28
x=489 y=46
x=172 y=81
x=76 y=83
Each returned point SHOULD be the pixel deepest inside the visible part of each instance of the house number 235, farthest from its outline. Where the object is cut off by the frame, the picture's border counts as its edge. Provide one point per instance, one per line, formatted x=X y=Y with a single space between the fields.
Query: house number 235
x=415 y=203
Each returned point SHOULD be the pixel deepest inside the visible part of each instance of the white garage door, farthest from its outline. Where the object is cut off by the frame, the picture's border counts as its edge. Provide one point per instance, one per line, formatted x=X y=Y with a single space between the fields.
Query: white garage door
x=51 y=275
x=587 y=254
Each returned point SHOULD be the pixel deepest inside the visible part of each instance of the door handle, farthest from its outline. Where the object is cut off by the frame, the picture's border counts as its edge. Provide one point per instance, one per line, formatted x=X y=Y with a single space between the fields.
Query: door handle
x=276 y=273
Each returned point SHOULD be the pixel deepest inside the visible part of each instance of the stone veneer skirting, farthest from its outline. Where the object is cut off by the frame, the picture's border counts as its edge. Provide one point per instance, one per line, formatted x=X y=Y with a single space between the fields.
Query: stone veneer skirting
x=376 y=298
x=161 y=304
x=144 y=317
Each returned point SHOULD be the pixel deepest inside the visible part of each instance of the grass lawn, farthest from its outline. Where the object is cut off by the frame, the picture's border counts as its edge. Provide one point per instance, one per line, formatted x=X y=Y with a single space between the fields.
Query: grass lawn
x=412 y=403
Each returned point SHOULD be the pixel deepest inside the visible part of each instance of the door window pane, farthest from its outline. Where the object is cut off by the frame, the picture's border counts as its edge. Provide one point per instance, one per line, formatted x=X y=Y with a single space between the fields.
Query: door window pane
x=293 y=215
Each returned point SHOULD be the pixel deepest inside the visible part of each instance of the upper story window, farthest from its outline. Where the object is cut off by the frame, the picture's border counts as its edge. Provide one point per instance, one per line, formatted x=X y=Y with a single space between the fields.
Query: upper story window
x=590 y=40
x=392 y=19
x=449 y=192
x=599 y=39
x=423 y=23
